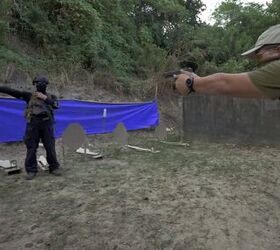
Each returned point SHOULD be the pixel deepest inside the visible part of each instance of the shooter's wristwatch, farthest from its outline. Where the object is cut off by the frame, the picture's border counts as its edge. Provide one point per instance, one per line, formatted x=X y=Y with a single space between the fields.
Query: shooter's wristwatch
x=189 y=83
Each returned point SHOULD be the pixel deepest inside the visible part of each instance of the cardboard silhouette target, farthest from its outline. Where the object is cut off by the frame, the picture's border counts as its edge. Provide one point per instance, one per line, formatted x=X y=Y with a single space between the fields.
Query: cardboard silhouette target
x=120 y=135
x=74 y=137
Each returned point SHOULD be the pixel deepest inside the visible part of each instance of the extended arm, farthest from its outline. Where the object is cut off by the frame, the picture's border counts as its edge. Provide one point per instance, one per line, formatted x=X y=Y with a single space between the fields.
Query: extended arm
x=238 y=85
x=16 y=93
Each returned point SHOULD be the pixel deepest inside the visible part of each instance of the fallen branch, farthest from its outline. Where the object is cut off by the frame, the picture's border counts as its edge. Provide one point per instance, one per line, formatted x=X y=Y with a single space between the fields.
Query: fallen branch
x=176 y=143
x=143 y=149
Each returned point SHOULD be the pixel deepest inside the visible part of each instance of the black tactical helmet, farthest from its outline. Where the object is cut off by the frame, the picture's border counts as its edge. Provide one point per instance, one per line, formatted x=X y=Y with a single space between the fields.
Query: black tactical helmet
x=40 y=78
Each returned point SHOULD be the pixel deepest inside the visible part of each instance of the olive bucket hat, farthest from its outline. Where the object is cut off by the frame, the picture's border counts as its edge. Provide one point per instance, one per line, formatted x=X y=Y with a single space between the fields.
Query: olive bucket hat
x=270 y=36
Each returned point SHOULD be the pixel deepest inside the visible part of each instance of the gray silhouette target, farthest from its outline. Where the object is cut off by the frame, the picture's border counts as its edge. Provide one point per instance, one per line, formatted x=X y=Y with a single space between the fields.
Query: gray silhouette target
x=120 y=135
x=74 y=136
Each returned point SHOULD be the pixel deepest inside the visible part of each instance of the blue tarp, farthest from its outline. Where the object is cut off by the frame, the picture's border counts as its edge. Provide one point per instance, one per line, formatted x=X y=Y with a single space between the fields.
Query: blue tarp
x=95 y=118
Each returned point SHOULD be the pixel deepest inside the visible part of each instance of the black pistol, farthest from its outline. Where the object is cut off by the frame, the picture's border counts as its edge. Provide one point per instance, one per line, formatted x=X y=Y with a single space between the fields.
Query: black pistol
x=170 y=74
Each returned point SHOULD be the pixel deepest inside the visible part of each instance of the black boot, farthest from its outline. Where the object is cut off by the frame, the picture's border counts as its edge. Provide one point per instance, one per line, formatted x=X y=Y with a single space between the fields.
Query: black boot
x=30 y=176
x=56 y=172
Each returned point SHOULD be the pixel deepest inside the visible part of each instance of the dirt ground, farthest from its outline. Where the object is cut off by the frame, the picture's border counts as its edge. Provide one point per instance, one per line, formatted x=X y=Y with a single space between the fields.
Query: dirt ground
x=205 y=196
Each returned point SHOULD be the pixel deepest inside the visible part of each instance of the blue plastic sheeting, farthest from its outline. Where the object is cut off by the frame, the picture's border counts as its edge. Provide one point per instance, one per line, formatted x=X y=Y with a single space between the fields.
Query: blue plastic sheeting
x=95 y=118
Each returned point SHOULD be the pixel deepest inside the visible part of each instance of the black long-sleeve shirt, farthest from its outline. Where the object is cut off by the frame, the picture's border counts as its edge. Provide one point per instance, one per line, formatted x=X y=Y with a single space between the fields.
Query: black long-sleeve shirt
x=26 y=96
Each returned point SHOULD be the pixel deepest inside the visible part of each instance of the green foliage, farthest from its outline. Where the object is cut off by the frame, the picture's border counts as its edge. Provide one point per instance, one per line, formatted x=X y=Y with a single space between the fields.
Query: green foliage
x=273 y=11
x=241 y=24
x=56 y=26
x=131 y=39
x=5 y=6
x=234 y=66
x=8 y=56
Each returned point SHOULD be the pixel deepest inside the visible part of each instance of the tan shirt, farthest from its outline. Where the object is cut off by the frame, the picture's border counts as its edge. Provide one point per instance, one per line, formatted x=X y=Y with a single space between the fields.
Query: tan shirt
x=267 y=79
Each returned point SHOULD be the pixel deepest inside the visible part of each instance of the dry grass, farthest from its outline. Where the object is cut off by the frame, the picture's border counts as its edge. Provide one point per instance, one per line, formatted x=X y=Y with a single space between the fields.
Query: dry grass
x=206 y=196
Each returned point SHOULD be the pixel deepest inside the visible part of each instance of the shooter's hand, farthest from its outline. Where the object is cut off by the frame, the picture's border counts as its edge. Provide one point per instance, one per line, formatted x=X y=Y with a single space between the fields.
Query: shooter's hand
x=180 y=84
x=41 y=96
x=188 y=73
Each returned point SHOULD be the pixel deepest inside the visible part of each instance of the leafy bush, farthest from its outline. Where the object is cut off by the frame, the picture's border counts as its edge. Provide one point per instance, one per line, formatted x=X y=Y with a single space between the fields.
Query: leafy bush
x=131 y=39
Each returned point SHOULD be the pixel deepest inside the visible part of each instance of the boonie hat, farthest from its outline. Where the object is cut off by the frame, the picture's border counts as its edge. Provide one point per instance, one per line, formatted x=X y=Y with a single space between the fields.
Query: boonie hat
x=40 y=78
x=270 y=36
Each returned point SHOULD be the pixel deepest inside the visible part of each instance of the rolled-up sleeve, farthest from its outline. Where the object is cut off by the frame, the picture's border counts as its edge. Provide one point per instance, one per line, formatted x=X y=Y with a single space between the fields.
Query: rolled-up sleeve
x=267 y=79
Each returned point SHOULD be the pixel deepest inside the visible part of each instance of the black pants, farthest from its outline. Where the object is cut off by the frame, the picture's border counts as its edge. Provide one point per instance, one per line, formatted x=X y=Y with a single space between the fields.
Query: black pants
x=35 y=130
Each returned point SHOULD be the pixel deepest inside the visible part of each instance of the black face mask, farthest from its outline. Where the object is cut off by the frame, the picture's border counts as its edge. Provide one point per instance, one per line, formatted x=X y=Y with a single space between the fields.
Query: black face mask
x=41 y=87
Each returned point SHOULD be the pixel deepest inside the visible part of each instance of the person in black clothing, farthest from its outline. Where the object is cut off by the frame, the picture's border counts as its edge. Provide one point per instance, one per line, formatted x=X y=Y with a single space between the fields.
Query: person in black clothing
x=40 y=120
